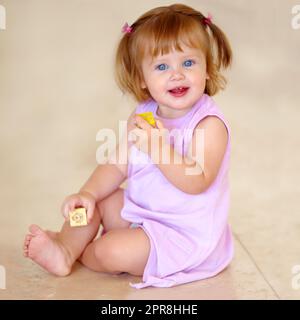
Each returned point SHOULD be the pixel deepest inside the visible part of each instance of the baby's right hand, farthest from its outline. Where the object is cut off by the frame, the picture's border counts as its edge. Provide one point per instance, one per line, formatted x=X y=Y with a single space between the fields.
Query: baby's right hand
x=82 y=199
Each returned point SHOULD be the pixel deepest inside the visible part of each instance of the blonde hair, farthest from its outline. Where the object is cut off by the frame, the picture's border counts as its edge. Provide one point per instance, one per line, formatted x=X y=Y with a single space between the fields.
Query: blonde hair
x=163 y=29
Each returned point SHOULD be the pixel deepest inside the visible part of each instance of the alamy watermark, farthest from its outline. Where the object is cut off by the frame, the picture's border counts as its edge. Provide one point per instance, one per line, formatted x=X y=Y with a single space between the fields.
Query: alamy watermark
x=2 y=277
x=2 y=18
x=295 y=22
x=122 y=151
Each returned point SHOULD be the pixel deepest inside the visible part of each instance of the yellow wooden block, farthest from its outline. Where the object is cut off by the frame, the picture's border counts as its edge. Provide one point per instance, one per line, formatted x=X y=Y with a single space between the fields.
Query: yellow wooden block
x=148 y=116
x=78 y=217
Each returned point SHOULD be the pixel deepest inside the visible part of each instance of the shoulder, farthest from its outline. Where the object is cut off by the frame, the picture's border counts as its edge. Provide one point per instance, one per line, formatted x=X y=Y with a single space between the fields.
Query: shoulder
x=212 y=119
x=214 y=127
x=212 y=122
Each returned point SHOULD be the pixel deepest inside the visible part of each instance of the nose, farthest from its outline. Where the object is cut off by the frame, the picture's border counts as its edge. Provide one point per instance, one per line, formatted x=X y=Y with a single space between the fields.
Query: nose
x=177 y=74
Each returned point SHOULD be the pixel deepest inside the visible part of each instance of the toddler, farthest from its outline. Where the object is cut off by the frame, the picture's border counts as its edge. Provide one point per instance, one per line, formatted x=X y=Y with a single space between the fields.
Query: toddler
x=169 y=225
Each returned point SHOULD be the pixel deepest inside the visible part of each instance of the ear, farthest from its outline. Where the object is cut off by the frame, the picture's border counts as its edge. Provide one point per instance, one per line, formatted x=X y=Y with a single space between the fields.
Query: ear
x=207 y=76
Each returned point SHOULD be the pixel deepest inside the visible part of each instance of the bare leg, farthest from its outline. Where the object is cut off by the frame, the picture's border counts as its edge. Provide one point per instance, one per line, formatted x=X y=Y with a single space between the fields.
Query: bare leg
x=117 y=251
x=57 y=252
x=120 y=249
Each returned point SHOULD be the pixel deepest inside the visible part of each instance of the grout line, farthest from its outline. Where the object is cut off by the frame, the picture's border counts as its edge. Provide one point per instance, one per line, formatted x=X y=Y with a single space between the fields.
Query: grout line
x=256 y=265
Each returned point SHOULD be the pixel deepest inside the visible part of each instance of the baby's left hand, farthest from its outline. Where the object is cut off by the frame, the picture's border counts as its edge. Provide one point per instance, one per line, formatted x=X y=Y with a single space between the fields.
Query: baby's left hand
x=144 y=132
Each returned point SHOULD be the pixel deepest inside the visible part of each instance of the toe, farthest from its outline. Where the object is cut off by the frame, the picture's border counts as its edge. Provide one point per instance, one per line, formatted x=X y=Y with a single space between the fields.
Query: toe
x=27 y=239
x=25 y=251
x=35 y=230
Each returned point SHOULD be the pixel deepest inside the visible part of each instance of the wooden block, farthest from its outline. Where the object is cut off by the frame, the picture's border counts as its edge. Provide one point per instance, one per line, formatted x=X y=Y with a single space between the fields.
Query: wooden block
x=78 y=217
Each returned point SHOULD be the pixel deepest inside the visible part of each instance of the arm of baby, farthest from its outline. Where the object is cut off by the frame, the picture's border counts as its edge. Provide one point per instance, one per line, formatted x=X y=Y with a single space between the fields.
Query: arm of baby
x=107 y=177
x=188 y=173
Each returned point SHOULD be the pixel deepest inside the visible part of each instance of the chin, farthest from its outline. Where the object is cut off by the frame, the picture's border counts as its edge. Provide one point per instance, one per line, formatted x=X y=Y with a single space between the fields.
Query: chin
x=181 y=104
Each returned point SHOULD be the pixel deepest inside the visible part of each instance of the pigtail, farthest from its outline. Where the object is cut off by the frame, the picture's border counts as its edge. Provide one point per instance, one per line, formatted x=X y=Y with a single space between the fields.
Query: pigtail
x=123 y=65
x=127 y=62
x=220 y=57
x=224 y=52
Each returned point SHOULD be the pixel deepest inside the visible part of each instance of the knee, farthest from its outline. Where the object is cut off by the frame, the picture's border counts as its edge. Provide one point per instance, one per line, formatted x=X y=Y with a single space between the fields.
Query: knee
x=108 y=255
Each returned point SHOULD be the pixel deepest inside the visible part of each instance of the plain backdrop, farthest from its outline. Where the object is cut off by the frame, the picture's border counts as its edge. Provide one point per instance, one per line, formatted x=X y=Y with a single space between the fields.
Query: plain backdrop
x=57 y=91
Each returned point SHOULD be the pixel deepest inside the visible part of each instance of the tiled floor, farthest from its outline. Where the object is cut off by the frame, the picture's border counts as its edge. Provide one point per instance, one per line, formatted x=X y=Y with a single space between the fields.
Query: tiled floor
x=242 y=280
x=57 y=91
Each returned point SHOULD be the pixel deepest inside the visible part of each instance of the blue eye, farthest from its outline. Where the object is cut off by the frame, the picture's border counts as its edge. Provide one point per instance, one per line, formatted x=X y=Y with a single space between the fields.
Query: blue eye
x=188 y=63
x=161 y=67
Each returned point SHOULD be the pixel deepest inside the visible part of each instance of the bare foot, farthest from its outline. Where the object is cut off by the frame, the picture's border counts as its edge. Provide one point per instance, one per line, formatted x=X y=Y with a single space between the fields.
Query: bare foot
x=44 y=248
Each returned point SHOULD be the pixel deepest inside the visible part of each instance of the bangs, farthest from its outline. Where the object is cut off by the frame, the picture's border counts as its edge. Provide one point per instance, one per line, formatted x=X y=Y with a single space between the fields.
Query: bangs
x=169 y=32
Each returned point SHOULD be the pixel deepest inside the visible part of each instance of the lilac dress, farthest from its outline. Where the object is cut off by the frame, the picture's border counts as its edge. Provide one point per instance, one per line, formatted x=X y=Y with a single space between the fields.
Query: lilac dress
x=189 y=234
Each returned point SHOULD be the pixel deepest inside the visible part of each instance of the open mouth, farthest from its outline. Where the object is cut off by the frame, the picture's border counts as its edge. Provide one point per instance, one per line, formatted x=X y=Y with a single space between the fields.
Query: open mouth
x=179 y=91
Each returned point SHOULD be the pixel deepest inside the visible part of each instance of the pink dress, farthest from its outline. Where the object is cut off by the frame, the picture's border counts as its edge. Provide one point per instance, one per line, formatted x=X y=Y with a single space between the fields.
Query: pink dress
x=189 y=234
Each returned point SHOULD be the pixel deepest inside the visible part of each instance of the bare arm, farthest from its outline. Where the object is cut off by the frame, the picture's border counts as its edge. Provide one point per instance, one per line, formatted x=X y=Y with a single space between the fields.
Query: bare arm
x=107 y=177
x=215 y=142
x=189 y=173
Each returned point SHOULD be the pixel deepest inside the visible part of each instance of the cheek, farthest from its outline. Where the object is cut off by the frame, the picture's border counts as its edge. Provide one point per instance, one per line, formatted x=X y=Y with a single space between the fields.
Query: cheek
x=199 y=82
x=155 y=82
x=200 y=77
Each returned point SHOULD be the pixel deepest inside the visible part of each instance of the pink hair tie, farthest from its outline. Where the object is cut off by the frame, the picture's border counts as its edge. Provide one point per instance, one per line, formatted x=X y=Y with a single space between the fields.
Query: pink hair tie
x=126 y=28
x=207 y=20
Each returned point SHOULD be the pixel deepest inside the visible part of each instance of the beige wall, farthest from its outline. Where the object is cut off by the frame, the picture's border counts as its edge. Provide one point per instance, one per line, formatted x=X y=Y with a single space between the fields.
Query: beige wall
x=57 y=90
